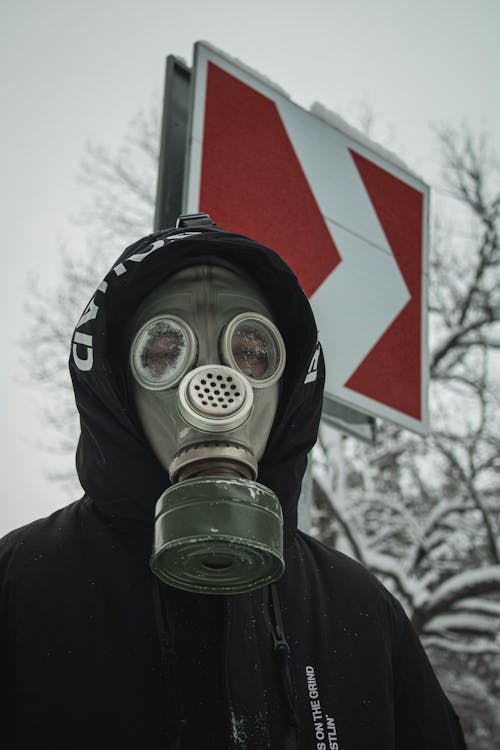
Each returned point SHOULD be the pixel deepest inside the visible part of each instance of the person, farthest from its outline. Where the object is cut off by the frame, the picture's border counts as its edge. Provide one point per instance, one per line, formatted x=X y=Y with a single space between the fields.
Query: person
x=211 y=622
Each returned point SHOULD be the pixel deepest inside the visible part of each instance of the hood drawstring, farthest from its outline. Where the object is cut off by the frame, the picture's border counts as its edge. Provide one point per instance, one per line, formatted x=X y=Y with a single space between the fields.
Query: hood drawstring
x=282 y=652
x=165 y=629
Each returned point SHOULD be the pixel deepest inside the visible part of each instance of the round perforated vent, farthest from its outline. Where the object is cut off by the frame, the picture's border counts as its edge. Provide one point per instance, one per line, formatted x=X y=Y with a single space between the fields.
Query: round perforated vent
x=215 y=398
x=216 y=392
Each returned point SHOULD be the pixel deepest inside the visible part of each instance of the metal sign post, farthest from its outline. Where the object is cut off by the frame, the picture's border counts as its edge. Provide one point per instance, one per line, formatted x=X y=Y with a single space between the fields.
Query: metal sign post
x=173 y=140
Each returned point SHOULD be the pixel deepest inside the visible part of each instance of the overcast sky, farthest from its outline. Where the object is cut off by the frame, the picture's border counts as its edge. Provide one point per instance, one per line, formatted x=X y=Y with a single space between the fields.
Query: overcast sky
x=74 y=71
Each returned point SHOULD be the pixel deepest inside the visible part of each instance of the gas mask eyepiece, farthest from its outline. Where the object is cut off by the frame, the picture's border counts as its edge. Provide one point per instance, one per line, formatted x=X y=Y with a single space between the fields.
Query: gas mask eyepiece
x=206 y=360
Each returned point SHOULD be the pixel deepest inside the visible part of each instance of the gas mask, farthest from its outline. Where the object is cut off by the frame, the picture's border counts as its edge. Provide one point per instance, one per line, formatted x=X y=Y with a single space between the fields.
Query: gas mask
x=205 y=364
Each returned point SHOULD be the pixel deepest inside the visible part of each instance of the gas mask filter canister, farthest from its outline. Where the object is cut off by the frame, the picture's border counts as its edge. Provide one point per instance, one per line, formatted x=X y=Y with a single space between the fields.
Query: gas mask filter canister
x=205 y=364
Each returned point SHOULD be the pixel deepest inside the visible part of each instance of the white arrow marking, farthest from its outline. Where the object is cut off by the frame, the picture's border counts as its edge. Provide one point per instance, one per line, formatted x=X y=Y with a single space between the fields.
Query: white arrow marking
x=366 y=291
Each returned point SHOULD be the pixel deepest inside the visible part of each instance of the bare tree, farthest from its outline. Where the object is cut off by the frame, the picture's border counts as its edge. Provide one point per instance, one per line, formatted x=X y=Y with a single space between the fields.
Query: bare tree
x=121 y=184
x=119 y=208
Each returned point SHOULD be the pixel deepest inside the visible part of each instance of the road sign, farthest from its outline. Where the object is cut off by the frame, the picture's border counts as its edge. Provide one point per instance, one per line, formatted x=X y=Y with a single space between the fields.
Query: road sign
x=347 y=217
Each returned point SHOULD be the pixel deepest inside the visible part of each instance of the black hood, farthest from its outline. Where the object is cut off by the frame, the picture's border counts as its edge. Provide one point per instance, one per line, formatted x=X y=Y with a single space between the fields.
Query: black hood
x=115 y=464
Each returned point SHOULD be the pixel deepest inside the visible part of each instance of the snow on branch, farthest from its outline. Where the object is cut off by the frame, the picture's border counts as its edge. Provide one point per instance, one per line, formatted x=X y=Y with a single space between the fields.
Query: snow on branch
x=408 y=587
x=462 y=622
x=482 y=606
x=461 y=586
x=322 y=488
x=436 y=518
x=478 y=646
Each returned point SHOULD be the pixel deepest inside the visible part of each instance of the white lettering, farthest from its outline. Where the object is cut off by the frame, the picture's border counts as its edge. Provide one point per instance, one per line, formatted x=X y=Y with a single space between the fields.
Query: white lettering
x=90 y=313
x=318 y=728
x=181 y=236
x=312 y=372
x=331 y=730
x=86 y=341
x=318 y=719
x=138 y=257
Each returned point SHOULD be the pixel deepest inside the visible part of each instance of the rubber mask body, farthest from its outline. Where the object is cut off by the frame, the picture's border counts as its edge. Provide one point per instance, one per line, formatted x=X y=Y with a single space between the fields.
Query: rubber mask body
x=217 y=530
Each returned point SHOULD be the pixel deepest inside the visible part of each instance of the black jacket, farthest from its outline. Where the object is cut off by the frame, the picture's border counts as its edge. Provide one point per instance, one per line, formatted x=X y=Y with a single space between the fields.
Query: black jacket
x=97 y=653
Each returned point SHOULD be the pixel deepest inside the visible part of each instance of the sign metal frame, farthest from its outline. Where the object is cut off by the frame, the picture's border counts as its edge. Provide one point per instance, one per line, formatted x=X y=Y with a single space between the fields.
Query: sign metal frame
x=183 y=124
